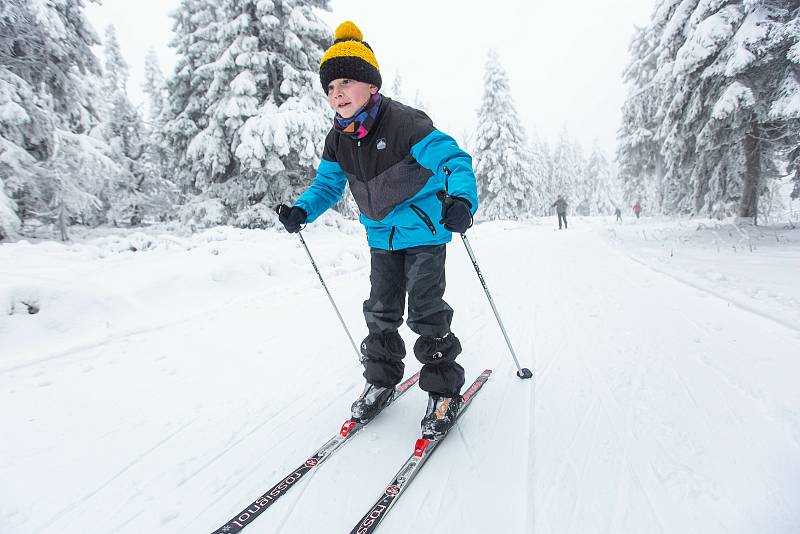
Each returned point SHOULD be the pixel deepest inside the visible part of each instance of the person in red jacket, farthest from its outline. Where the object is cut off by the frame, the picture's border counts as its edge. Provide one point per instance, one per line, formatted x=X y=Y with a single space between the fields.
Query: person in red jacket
x=637 y=208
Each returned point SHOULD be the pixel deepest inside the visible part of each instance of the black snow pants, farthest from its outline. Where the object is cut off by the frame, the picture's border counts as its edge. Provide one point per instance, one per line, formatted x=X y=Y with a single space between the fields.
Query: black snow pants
x=562 y=216
x=418 y=272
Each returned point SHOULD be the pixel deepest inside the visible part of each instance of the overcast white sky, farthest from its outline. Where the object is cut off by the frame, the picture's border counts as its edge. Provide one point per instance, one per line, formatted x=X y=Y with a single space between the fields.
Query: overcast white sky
x=564 y=59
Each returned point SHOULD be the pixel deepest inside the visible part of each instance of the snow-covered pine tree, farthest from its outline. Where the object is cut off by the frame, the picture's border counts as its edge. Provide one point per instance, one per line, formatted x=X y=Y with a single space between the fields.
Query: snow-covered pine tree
x=566 y=172
x=396 y=92
x=599 y=184
x=583 y=184
x=115 y=68
x=143 y=192
x=18 y=178
x=540 y=173
x=794 y=171
x=54 y=169
x=123 y=129
x=502 y=159
x=195 y=28
x=730 y=61
x=9 y=221
x=266 y=113
x=666 y=99
x=723 y=120
x=155 y=88
x=641 y=165
x=420 y=103
x=785 y=101
x=160 y=192
x=232 y=96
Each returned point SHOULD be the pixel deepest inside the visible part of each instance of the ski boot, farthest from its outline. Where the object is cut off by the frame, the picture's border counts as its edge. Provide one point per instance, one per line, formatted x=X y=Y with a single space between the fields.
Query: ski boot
x=371 y=402
x=440 y=415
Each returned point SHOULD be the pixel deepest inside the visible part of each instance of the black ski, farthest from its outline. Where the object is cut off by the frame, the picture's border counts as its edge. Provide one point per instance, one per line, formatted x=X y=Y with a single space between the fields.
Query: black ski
x=348 y=430
x=422 y=451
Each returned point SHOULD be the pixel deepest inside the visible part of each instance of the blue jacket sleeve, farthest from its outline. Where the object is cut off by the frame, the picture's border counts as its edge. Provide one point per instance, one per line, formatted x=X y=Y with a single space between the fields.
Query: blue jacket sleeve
x=438 y=150
x=325 y=191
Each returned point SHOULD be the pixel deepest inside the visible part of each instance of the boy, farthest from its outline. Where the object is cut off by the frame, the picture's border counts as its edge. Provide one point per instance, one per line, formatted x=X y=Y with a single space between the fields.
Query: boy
x=395 y=162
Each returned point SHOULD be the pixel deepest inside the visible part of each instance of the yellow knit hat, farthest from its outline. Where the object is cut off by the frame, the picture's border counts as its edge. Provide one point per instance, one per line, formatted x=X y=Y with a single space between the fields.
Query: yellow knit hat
x=349 y=57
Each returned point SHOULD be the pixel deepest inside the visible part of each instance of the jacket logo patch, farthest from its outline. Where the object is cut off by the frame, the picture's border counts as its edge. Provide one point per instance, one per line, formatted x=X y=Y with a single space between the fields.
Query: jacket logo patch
x=381 y=144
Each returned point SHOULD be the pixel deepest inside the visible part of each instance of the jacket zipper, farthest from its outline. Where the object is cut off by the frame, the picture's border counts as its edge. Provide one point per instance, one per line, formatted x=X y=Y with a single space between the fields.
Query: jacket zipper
x=361 y=174
x=424 y=216
x=391 y=237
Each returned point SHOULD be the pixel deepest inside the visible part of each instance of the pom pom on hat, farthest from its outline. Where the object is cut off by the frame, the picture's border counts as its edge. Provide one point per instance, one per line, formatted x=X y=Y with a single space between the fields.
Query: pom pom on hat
x=347 y=30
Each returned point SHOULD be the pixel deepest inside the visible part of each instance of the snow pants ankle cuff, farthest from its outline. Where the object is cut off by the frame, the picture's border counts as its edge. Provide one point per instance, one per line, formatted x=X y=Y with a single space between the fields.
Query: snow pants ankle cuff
x=440 y=373
x=383 y=358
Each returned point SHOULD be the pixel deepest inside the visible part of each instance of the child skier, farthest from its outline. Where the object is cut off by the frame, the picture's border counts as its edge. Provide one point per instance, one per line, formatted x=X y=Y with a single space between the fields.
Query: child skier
x=395 y=161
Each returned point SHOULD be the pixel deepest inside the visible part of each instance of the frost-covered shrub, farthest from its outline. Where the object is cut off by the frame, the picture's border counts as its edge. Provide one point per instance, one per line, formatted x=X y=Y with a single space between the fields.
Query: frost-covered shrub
x=204 y=213
x=256 y=216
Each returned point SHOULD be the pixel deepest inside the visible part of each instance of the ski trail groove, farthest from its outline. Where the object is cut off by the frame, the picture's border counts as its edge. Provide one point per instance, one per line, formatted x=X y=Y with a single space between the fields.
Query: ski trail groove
x=108 y=482
x=253 y=471
x=685 y=281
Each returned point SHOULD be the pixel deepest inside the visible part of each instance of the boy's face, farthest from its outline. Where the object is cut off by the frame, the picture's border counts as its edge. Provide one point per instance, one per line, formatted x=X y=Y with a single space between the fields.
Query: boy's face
x=346 y=96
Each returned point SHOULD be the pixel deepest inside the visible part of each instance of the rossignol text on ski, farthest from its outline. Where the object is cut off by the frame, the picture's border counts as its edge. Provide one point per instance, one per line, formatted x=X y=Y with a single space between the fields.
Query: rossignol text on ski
x=423 y=449
x=348 y=430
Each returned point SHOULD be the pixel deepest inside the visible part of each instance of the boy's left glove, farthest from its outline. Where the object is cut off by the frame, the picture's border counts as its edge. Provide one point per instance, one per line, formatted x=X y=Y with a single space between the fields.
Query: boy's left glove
x=293 y=218
x=456 y=216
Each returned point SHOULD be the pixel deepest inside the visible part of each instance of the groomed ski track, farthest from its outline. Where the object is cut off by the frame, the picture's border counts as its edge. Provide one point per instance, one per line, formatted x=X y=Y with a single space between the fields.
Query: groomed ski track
x=655 y=407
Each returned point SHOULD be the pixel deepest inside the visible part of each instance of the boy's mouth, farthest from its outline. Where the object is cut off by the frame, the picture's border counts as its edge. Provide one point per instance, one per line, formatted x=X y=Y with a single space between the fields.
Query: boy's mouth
x=343 y=105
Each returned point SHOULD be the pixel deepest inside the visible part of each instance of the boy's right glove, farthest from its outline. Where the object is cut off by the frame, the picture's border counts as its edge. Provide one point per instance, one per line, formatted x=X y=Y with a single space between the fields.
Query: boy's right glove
x=293 y=218
x=456 y=216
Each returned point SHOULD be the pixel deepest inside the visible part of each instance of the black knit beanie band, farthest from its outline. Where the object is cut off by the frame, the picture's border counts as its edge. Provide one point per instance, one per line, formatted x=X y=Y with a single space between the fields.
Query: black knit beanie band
x=352 y=68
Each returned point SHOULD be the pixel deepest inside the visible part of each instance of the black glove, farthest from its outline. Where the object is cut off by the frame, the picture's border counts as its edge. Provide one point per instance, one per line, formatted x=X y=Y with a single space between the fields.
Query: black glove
x=292 y=218
x=456 y=216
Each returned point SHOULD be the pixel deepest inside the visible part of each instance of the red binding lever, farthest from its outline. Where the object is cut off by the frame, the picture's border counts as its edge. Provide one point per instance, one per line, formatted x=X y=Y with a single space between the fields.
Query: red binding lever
x=347 y=427
x=419 y=448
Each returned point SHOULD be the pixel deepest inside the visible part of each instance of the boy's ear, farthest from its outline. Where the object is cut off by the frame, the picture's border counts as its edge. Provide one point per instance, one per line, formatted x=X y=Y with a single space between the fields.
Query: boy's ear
x=373 y=89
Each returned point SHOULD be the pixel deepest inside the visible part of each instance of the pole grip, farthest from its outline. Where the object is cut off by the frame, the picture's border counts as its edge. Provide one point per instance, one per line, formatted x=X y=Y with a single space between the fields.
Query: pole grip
x=444 y=198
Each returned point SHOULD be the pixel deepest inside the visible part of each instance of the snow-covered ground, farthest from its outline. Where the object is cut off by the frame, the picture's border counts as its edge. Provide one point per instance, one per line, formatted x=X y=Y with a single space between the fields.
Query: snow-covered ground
x=752 y=267
x=162 y=389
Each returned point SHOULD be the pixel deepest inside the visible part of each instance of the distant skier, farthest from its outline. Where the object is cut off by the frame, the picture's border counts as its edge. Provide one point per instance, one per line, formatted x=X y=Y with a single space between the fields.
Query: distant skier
x=637 y=208
x=395 y=161
x=618 y=214
x=561 y=210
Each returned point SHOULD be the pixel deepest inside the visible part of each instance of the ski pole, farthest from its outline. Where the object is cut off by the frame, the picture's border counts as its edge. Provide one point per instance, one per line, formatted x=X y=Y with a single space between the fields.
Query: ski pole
x=278 y=209
x=522 y=372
